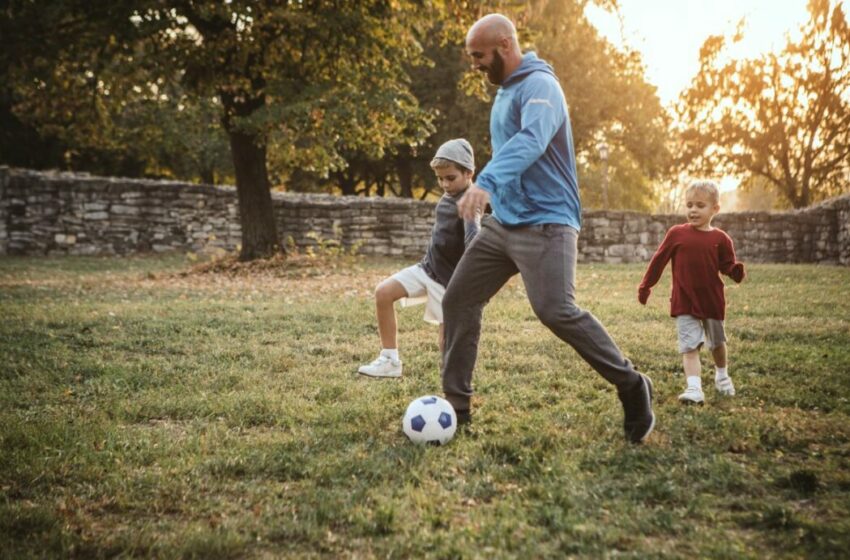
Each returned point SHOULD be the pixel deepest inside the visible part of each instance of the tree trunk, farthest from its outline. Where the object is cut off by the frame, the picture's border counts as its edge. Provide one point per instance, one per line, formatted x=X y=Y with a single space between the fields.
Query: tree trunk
x=405 y=175
x=207 y=176
x=248 y=149
x=347 y=183
x=256 y=215
x=805 y=194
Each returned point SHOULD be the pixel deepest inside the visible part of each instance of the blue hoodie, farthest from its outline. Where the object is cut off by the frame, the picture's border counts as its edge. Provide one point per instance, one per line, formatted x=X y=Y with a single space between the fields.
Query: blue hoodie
x=532 y=176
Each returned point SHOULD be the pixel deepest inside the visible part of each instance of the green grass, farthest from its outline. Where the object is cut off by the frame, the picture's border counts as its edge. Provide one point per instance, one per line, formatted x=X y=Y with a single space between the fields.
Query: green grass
x=153 y=414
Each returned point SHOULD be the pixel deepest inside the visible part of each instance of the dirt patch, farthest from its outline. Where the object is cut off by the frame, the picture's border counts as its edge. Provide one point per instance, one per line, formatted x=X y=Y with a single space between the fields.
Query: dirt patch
x=287 y=266
x=297 y=276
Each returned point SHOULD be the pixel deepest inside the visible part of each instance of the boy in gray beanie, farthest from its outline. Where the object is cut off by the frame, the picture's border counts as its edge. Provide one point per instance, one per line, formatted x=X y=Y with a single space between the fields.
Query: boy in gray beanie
x=425 y=282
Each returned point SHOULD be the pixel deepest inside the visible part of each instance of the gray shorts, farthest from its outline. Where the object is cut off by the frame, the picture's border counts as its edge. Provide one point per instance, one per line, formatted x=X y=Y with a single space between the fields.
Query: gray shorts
x=693 y=333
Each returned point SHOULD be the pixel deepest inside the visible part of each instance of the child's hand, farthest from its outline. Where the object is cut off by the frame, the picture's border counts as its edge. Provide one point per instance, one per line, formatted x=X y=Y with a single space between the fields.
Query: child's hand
x=643 y=295
x=738 y=273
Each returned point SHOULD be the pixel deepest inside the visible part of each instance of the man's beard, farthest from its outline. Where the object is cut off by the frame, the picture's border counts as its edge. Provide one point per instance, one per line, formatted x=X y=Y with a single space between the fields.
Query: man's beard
x=496 y=69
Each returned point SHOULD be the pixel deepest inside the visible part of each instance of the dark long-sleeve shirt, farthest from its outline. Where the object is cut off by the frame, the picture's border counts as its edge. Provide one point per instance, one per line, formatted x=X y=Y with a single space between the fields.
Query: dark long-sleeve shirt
x=699 y=257
x=449 y=238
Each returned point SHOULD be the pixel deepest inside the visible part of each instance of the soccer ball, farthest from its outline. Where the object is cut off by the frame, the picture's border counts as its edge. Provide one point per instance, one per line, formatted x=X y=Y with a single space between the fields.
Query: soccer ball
x=430 y=420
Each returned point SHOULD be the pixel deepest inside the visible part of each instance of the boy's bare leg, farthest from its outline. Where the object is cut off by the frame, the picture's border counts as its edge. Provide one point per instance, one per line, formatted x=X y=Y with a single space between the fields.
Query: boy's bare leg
x=722 y=381
x=388 y=363
x=719 y=355
x=387 y=293
x=693 y=370
x=691 y=364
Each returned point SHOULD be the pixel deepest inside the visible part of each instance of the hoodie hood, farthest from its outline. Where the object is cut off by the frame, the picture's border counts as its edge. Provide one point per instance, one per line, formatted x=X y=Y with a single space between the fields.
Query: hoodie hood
x=530 y=63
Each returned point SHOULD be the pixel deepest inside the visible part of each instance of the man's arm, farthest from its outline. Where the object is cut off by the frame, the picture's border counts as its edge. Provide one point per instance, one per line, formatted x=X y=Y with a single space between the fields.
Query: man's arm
x=542 y=113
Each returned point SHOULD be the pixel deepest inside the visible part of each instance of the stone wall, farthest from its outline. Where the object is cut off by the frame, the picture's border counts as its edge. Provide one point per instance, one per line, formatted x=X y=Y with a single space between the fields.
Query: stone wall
x=818 y=234
x=46 y=213
x=77 y=214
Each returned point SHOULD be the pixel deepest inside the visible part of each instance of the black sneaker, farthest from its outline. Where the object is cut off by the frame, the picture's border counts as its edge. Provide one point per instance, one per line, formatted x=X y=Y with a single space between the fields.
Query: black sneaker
x=464 y=418
x=639 y=420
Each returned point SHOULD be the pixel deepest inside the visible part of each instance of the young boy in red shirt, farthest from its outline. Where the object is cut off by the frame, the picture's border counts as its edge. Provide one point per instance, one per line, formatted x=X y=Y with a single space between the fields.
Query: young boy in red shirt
x=700 y=253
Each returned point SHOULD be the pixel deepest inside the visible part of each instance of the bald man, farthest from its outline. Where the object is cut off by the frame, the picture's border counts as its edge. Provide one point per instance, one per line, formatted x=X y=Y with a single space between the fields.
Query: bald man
x=532 y=187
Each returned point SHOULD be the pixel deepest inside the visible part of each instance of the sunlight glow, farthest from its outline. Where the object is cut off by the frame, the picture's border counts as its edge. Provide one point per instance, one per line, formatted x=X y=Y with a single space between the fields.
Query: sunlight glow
x=729 y=184
x=669 y=33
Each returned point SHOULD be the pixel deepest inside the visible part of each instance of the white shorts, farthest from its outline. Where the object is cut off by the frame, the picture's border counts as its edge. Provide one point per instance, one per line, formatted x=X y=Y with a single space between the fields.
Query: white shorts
x=421 y=288
x=693 y=333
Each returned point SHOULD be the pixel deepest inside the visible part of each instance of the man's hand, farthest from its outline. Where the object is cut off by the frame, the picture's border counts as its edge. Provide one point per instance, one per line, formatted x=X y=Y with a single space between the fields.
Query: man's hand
x=472 y=203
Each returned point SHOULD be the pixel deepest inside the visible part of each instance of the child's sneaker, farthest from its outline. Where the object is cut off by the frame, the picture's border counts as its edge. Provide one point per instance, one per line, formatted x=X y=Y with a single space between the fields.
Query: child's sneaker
x=382 y=367
x=692 y=395
x=724 y=386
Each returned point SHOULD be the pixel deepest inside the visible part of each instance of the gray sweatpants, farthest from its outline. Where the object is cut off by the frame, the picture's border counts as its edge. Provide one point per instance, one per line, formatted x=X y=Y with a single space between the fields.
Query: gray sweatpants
x=545 y=257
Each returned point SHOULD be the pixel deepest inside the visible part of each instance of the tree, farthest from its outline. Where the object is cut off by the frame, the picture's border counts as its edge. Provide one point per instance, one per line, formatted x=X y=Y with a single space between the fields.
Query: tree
x=300 y=80
x=610 y=102
x=303 y=78
x=37 y=41
x=449 y=112
x=755 y=196
x=606 y=89
x=783 y=117
x=73 y=80
x=456 y=112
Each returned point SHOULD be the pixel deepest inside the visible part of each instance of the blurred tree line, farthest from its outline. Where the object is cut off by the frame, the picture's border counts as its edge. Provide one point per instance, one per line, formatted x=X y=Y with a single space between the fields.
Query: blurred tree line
x=336 y=96
x=780 y=121
x=353 y=97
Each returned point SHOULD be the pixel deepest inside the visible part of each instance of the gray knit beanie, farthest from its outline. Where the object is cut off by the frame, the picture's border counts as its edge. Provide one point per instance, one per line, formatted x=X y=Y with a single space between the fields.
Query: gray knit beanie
x=458 y=151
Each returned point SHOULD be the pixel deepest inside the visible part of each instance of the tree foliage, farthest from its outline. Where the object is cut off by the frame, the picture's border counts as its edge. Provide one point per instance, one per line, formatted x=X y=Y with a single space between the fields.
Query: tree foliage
x=783 y=117
x=610 y=102
x=302 y=81
x=349 y=95
x=606 y=89
x=403 y=170
x=77 y=73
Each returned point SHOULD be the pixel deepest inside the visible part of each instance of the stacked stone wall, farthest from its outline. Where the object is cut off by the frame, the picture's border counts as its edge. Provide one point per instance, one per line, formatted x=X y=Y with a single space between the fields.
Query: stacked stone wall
x=46 y=213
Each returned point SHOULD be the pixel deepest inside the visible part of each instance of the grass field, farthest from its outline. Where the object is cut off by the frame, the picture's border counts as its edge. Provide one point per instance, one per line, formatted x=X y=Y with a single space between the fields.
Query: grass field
x=146 y=411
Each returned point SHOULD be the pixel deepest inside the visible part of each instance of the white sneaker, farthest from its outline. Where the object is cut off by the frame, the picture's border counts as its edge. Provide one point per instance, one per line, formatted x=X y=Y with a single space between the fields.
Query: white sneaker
x=382 y=367
x=692 y=395
x=724 y=386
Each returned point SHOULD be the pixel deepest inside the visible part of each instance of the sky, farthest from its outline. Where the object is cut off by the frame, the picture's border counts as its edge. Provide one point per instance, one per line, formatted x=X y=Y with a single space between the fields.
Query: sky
x=669 y=34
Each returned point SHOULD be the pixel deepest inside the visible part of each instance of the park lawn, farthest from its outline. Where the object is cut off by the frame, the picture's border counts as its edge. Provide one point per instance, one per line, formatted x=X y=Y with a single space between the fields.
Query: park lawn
x=149 y=409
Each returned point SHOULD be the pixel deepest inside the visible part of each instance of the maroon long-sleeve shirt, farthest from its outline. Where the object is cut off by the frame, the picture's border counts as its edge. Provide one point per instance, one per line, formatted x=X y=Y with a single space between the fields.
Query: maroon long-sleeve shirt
x=699 y=257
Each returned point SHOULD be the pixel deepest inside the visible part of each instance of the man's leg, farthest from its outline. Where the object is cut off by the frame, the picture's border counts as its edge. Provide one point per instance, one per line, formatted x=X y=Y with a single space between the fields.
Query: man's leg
x=441 y=340
x=481 y=272
x=546 y=257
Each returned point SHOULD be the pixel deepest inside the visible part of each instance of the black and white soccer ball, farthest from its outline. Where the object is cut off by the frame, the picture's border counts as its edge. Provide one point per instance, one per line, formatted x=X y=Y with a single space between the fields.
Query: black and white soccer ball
x=430 y=420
